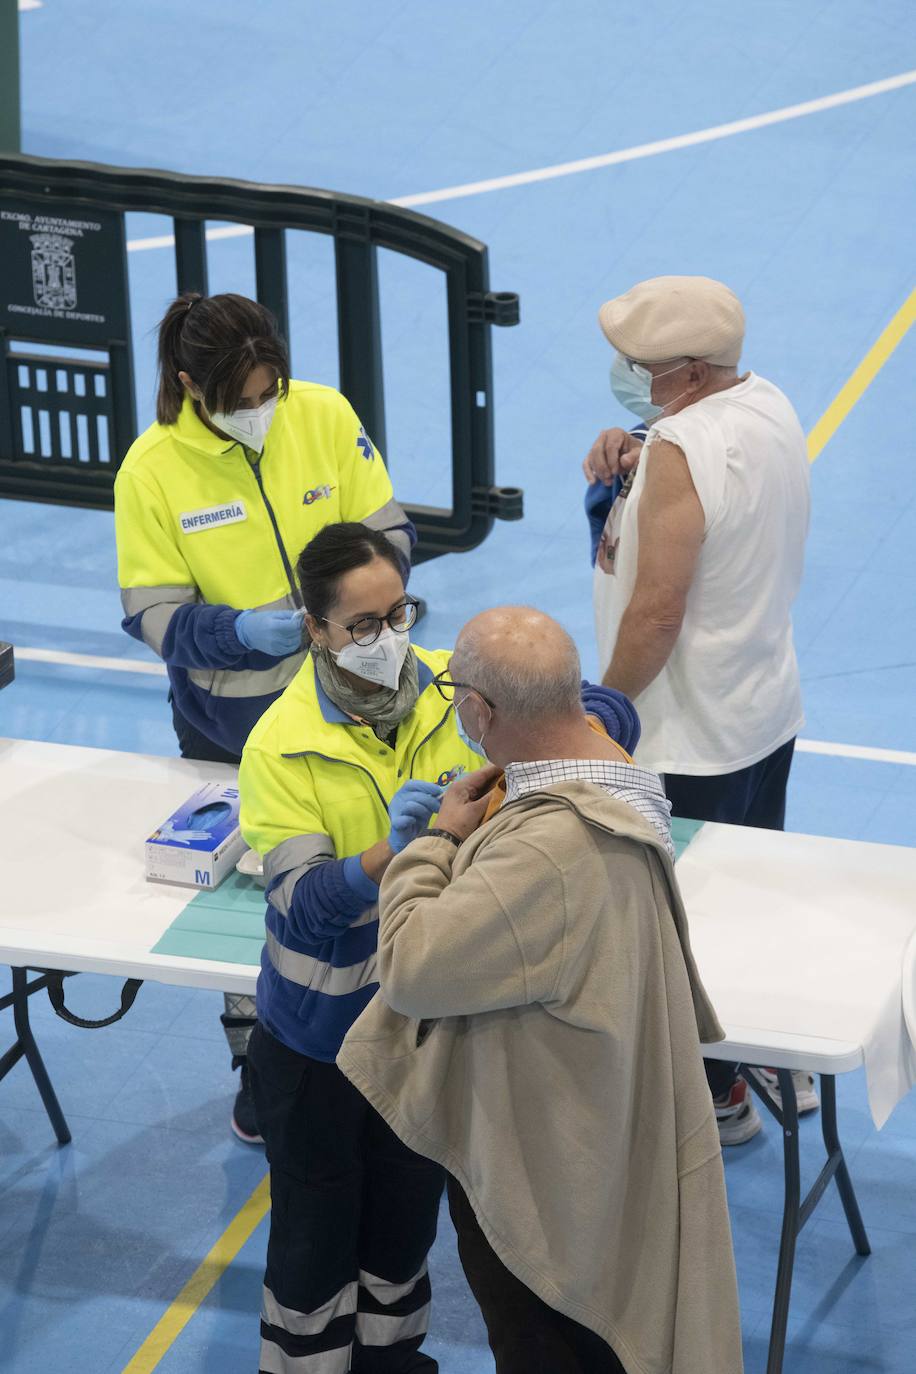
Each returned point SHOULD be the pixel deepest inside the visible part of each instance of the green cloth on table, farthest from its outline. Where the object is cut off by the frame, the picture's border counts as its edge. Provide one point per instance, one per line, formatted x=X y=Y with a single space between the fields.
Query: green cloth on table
x=226 y=924
x=682 y=832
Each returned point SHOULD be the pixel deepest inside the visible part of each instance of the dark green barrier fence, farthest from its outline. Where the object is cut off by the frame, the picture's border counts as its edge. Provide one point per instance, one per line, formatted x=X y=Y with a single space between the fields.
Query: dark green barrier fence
x=65 y=422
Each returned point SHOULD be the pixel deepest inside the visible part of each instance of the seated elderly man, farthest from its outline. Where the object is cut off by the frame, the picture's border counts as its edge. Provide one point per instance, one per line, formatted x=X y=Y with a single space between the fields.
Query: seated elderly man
x=538 y=1033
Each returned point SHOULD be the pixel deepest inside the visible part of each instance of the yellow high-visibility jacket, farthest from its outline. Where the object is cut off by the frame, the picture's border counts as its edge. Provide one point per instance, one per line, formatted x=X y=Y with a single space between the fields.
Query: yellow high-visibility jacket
x=206 y=529
x=315 y=788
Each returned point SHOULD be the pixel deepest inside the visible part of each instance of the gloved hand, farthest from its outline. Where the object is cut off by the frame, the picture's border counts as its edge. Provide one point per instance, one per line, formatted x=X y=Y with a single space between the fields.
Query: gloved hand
x=277 y=633
x=411 y=809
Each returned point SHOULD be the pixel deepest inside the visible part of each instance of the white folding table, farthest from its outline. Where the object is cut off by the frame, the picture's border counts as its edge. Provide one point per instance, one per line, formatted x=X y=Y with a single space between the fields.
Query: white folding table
x=72 y=826
x=800 y=941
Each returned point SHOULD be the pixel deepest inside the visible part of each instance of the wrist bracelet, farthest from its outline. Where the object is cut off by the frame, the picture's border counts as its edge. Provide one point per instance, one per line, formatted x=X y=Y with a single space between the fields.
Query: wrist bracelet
x=445 y=835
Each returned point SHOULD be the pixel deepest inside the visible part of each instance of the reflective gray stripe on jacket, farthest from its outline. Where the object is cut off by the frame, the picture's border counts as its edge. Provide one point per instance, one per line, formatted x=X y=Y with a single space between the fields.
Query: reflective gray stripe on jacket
x=288 y=862
x=247 y=682
x=387 y=519
x=318 y=976
x=157 y=605
x=292 y=859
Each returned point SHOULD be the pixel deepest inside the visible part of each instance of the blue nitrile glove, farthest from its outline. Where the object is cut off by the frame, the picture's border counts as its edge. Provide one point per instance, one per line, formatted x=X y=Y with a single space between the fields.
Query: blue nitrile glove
x=168 y=832
x=277 y=633
x=616 y=712
x=411 y=809
x=206 y=817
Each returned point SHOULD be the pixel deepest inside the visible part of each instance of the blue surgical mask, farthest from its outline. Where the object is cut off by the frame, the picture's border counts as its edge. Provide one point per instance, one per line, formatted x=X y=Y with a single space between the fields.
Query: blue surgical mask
x=475 y=745
x=632 y=387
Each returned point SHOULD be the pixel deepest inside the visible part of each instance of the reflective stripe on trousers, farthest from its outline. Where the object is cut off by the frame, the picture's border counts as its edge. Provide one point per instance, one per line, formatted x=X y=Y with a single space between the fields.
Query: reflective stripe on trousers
x=353 y=1217
x=391 y=1312
x=291 y=1341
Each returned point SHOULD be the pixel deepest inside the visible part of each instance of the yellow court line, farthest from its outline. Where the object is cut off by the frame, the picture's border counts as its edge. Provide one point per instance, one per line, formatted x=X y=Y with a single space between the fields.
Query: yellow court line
x=862 y=378
x=179 y=1313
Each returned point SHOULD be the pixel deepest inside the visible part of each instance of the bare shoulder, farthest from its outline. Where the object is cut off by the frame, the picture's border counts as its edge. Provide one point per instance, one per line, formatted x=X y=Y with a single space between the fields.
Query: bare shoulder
x=664 y=455
x=667 y=470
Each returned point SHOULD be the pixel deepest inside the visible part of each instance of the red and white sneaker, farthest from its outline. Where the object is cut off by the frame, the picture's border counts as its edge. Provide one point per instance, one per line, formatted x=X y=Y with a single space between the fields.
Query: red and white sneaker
x=805 y=1092
x=737 y=1115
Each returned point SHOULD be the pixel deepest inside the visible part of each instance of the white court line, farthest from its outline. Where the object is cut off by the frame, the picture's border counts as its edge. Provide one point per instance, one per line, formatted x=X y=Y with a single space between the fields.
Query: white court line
x=855 y=751
x=666 y=145
x=229 y=231
x=116 y=665
x=133 y=665
x=590 y=164
x=30 y=4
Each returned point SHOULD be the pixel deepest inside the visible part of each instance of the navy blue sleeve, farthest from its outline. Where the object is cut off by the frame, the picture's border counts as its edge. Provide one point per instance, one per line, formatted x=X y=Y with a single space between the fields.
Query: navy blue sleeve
x=202 y=637
x=598 y=502
x=616 y=712
x=409 y=530
x=328 y=898
x=599 y=499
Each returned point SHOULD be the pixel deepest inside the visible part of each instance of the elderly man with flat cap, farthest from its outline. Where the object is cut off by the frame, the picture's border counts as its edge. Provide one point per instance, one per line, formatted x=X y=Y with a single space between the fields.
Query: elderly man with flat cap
x=698 y=565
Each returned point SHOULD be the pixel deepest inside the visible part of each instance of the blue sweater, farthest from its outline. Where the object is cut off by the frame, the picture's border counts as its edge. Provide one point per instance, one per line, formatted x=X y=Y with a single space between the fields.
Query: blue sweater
x=199 y=636
x=326 y=902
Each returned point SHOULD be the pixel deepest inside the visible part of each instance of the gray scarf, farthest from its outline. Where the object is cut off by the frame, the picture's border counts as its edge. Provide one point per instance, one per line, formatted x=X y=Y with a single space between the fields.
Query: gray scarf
x=383 y=709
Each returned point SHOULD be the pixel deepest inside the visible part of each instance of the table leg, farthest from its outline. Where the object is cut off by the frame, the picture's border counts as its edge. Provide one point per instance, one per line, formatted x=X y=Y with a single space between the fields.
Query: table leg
x=25 y=1046
x=841 y=1172
x=796 y=1212
x=790 y=1222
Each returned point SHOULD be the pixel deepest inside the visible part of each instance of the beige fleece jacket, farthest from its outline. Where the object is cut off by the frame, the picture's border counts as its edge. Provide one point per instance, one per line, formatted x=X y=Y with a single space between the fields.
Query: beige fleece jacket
x=538 y=1033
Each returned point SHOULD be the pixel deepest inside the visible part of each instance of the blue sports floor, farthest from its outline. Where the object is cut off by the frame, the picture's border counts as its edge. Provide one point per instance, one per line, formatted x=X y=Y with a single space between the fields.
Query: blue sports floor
x=810 y=220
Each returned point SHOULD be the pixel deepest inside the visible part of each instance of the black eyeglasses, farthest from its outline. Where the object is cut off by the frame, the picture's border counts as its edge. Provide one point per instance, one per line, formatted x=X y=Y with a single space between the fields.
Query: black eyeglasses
x=367 y=629
x=447 y=689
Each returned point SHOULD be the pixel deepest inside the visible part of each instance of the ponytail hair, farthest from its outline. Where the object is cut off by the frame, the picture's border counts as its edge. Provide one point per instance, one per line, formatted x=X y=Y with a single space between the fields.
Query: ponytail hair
x=217 y=340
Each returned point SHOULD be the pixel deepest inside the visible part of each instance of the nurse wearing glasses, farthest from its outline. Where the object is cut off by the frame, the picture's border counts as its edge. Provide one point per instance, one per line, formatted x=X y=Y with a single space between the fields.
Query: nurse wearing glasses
x=342 y=772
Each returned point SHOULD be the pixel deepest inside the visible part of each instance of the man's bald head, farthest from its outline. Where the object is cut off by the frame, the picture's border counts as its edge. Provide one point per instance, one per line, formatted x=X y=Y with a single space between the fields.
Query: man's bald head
x=522 y=660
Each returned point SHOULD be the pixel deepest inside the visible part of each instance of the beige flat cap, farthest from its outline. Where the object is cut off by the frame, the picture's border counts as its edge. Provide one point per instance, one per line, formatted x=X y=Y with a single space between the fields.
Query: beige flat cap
x=676 y=317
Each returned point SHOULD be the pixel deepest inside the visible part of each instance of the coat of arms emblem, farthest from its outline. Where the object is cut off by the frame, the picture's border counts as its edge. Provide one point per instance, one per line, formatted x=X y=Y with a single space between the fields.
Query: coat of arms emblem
x=53 y=271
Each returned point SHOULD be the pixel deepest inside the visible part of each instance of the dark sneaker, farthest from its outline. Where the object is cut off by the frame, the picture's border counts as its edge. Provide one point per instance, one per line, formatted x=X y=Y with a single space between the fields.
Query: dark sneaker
x=243 y=1120
x=736 y=1115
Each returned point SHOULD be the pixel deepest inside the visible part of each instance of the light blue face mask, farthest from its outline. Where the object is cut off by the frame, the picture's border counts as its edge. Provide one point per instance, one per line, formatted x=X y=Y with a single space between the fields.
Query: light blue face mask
x=475 y=745
x=632 y=387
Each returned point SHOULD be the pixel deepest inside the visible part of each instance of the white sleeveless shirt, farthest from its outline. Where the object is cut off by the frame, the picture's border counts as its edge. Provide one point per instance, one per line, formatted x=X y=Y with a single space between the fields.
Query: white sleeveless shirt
x=730 y=692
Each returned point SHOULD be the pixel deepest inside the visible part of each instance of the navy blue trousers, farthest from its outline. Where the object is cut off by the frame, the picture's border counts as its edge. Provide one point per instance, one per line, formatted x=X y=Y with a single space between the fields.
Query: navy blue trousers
x=751 y=796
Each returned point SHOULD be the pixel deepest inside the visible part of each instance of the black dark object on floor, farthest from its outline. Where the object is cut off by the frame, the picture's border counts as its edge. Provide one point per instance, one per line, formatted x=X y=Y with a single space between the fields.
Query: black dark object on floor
x=7 y=665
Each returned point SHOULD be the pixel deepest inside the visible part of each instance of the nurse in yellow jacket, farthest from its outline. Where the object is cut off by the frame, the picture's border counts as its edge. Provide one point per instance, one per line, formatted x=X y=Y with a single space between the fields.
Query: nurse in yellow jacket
x=212 y=505
x=339 y=774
